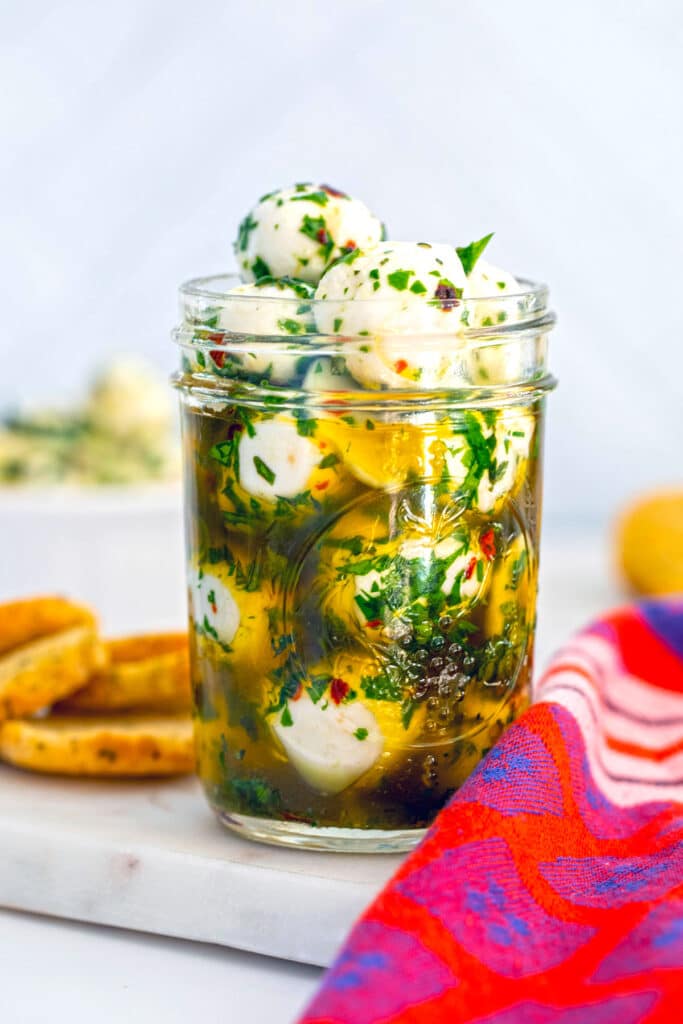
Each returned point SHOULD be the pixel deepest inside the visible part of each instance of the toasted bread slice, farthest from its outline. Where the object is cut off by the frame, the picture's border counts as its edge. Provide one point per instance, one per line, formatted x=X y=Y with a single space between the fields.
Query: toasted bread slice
x=115 y=745
x=43 y=671
x=150 y=672
x=34 y=617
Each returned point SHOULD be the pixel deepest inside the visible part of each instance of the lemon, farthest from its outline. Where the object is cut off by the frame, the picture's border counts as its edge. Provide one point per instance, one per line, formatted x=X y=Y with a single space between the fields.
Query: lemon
x=650 y=543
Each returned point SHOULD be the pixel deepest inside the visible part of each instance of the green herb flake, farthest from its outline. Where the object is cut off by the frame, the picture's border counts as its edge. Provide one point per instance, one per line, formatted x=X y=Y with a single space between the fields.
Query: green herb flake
x=321 y=198
x=469 y=254
x=209 y=629
x=286 y=717
x=260 y=268
x=399 y=279
x=328 y=461
x=381 y=687
x=417 y=288
x=291 y=326
x=316 y=687
x=245 y=229
x=264 y=470
x=361 y=733
x=306 y=427
x=338 y=321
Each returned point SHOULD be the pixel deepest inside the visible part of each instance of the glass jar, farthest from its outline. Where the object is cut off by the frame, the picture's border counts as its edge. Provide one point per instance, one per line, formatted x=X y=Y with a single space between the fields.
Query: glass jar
x=362 y=519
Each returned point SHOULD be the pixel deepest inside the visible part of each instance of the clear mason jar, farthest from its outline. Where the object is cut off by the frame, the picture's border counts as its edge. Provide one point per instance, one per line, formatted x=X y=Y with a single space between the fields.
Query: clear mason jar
x=362 y=519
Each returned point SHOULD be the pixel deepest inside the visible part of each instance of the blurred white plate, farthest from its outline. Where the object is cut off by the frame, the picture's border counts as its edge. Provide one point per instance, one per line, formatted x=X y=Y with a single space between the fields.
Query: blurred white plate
x=119 y=549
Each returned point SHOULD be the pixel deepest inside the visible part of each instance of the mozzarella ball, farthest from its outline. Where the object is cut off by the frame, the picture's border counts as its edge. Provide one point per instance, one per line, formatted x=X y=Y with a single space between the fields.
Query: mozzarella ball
x=330 y=744
x=299 y=231
x=490 y=457
x=275 y=461
x=213 y=607
x=383 y=299
x=346 y=725
x=422 y=571
x=490 y=292
x=267 y=309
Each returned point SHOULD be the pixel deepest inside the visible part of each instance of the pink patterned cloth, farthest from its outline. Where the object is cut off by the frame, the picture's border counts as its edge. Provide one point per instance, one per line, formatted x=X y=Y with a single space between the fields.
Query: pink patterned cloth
x=550 y=889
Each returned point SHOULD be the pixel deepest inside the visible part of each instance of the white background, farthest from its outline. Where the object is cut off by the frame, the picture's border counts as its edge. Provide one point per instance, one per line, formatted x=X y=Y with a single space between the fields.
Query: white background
x=136 y=134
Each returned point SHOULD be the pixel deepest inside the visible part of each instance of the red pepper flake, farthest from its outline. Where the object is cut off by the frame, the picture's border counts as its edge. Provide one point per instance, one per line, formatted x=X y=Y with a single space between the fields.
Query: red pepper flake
x=297 y=693
x=334 y=192
x=323 y=237
x=373 y=623
x=338 y=690
x=487 y=543
x=217 y=337
x=218 y=358
x=447 y=296
x=400 y=365
x=471 y=566
x=323 y=485
x=214 y=608
x=349 y=246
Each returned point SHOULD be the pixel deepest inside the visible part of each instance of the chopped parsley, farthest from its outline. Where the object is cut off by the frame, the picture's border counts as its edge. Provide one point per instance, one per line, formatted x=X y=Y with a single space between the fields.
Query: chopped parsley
x=469 y=254
x=321 y=198
x=381 y=687
x=306 y=427
x=264 y=470
x=245 y=229
x=260 y=268
x=361 y=733
x=315 y=228
x=286 y=717
x=291 y=326
x=399 y=279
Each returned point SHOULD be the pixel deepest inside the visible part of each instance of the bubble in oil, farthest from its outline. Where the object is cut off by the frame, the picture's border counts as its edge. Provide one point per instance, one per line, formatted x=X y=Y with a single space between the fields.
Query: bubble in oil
x=437 y=642
x=445 y=623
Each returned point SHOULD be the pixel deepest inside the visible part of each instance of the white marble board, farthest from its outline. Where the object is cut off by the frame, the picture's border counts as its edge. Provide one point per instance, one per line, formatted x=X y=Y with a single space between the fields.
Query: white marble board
x=150 y=856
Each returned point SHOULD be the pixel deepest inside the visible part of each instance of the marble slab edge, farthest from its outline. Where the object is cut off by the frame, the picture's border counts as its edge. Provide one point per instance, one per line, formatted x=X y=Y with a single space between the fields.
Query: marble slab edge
x=175 y=893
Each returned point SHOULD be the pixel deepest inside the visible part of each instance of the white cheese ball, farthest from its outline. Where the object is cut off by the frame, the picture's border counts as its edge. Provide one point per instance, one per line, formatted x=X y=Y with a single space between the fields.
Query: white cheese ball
x=463 y=575
x=213 y=607
x=276 y=461
x=330 y=745
x=386 y=299
x=487 y=290
x=299 y=231
x=269 y=308
x=509 y=440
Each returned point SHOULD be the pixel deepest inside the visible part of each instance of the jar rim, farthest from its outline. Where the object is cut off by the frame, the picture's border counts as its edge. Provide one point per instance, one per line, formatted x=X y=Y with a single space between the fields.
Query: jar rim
x=210 y=303
x=219 y=287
